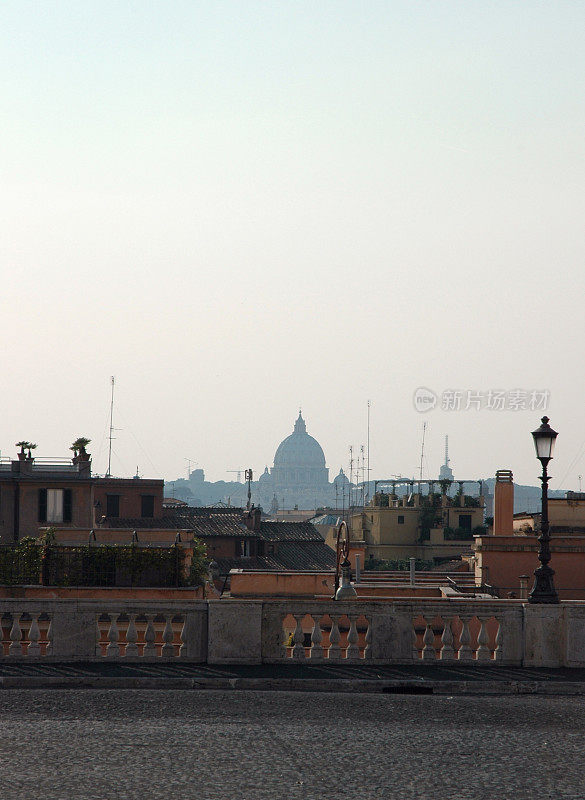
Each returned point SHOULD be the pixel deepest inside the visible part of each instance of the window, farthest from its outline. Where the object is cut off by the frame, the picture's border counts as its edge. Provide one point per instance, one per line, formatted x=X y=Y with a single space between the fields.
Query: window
x=465 y=522
x=401 y=519
x=245 y=547
x=147 y=505
x=55 y=505
x=113 y=505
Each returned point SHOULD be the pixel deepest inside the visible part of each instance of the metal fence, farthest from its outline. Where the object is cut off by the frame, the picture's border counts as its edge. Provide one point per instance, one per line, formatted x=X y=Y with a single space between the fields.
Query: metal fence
x=100 y=565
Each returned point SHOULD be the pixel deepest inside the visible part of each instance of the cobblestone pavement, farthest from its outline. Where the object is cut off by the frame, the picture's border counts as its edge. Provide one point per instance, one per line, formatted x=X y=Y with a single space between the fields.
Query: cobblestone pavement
x=211 y=745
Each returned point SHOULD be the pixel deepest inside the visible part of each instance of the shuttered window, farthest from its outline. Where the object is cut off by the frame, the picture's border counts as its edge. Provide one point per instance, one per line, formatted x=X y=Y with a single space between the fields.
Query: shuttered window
x=113 y=505
x=55 y=505
x=147 y=505
x=42 y=505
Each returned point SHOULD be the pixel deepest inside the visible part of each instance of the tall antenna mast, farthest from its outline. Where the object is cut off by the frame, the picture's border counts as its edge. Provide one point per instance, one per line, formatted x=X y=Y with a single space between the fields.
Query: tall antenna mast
x=363 y=476
x=422 y=452
x=108 y=473
x=446 y=451
x=368 y=489
x=350 y=475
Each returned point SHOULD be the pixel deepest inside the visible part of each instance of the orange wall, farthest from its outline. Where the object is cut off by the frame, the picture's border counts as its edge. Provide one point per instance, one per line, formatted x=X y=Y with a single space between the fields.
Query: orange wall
x=504 y=566
x=314 y=584
x=281 y=584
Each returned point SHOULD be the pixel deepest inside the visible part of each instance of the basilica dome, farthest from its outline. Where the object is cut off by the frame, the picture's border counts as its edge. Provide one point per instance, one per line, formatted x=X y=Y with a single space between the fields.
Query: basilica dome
x=299 y=449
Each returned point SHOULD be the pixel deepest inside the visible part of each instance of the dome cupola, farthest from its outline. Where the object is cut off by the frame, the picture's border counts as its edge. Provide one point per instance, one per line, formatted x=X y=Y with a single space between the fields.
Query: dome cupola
x=299 y=449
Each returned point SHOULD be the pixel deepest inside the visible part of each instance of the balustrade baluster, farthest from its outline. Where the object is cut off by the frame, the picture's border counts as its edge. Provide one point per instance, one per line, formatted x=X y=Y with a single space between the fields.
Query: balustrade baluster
x=299 y=639
x=3 y=636
x=15 y=648
x=149 y=649
x=285 y=641
x=99 y=651
x=49 y=647
x=184 y=639
x=334 y=637
x=416 y=653
x=316 y=651
x=368 y=647
x=34 y=634
x=428 y=651
x=483 y=651
x=447 y=651
x=113 y=648
x=465 y=653
x=498 y=648
x=353 y=652
x=131 y=638
x=168 y=648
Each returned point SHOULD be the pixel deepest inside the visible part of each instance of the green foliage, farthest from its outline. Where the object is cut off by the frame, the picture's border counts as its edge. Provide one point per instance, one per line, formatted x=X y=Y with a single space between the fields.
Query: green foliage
x=40 y=561
x=471 y=502
x=429 y=518
x=80 y=443
x=457 y=534
x=21 y=565
x=401 y=564
x=199 y=564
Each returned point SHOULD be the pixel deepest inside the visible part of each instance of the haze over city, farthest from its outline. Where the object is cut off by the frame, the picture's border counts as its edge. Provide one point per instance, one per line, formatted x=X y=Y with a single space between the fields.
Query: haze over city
x=243 y=209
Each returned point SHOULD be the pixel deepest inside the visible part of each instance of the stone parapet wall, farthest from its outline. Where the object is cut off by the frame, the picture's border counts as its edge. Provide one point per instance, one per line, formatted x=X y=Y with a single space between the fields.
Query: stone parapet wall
x=497 y=632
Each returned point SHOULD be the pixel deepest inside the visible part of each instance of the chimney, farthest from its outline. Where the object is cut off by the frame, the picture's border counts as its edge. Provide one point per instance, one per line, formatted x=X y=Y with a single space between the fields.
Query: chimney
x=252 y=519
x=504 y=503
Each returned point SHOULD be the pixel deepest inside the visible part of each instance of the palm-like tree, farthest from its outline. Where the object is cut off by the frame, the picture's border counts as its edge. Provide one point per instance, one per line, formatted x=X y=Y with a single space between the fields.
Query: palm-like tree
x=22 y=444
x=30 y=446
x=80 y=444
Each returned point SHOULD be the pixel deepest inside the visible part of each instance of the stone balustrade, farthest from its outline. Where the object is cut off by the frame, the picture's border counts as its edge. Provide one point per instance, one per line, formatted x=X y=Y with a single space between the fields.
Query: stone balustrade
x=63 y=630
x=474 y=631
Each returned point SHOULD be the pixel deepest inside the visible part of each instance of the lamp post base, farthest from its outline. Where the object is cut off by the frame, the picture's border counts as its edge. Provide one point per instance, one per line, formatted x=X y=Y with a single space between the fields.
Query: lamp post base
x=543 y=590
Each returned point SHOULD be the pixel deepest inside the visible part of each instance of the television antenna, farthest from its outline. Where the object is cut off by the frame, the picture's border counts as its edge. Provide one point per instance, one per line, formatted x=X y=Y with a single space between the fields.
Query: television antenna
x=189 y=462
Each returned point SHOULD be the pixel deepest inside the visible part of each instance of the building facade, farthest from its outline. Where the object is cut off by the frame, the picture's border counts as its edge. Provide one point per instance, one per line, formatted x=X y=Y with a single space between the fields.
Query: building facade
x=36 y=493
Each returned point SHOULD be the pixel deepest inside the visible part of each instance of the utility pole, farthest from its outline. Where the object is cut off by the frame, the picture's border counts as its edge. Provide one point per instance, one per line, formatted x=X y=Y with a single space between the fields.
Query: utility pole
x=248 y=477
x=422 y=451
x=363 y=476
x=350 y=475
x=109 y=473
x=368 y=490
x=189 y=462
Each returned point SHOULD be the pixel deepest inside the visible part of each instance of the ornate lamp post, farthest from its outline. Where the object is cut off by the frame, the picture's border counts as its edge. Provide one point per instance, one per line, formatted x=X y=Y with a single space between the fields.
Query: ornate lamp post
x=346 y=590
x=544 y=590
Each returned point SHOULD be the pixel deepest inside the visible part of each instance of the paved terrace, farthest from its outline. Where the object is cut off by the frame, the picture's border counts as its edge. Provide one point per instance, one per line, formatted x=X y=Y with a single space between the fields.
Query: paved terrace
x=140 y=745
x=356 y=678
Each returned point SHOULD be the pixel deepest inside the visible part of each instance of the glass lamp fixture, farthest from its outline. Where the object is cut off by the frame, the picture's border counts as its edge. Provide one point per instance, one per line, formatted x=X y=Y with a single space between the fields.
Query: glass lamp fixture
x=544 y=440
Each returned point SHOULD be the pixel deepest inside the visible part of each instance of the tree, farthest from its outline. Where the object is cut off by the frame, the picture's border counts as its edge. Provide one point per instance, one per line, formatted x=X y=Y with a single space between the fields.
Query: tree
x=79 y=445
x=198 y=567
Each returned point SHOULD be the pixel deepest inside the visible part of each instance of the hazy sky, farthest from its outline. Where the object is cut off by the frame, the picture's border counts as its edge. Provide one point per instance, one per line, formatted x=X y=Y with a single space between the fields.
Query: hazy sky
x=237 y=208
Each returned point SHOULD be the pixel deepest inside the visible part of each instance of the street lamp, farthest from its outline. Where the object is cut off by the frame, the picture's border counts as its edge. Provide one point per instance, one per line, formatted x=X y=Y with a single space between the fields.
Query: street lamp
x=544 y=590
